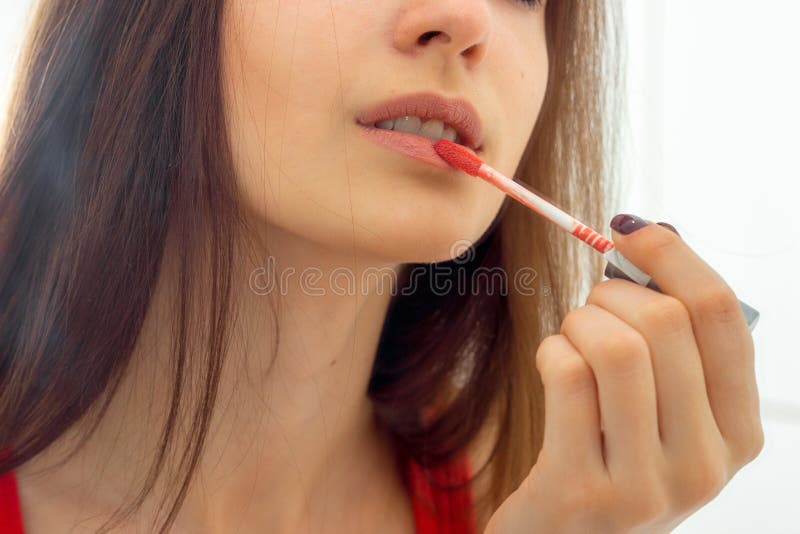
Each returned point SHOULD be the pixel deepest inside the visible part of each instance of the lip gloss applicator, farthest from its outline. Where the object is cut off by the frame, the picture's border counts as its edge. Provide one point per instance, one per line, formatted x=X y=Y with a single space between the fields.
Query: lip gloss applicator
x=464 y=159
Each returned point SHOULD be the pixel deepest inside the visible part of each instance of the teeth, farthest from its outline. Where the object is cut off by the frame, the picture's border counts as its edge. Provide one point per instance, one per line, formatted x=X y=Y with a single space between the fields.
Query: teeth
x=451 y=135
x=432 y=129
x=407 y=124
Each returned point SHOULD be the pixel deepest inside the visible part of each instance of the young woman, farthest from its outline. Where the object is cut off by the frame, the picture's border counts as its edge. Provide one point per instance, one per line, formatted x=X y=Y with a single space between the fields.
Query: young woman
x=230 y=303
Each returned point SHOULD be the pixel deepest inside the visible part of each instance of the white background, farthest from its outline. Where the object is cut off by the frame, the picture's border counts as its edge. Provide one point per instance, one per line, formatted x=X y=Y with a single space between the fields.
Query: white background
x=713 y=148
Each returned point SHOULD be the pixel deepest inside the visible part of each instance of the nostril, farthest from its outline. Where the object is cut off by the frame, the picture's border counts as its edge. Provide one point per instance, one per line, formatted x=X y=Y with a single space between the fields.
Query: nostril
x=427 y=36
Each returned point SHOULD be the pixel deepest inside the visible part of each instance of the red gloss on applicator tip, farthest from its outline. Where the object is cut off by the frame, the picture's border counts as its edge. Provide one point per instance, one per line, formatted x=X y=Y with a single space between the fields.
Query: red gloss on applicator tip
x=458 y=156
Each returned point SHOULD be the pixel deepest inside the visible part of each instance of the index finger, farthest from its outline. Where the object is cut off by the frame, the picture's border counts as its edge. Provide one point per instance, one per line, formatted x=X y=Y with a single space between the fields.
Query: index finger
x=719 y=326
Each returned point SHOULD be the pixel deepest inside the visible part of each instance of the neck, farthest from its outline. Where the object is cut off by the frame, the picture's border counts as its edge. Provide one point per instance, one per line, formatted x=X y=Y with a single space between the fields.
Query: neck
x=293 y=438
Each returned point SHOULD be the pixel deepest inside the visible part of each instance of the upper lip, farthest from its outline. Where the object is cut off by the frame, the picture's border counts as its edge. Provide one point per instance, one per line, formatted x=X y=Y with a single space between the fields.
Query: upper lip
x=457 y=112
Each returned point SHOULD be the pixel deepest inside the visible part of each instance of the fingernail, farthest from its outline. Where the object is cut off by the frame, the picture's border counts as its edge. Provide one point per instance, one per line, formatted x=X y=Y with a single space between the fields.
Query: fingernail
x=625 y=223
x=668 y=227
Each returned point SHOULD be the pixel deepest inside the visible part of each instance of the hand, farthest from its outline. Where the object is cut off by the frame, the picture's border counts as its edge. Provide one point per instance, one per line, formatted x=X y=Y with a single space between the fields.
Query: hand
x=651 y=404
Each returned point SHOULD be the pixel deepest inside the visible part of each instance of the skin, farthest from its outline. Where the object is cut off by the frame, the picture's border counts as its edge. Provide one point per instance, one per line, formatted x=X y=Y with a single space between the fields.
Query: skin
x=668 y=379
x=298 y=80
x=293 y=448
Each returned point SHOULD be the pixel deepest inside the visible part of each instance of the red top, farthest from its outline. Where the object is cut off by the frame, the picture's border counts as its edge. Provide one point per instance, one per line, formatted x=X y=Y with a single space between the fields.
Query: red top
x=435 y=511
x=438 y=511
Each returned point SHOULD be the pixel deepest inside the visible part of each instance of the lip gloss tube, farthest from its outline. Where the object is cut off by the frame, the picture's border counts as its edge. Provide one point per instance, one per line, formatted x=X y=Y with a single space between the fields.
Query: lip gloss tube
x=619 y=266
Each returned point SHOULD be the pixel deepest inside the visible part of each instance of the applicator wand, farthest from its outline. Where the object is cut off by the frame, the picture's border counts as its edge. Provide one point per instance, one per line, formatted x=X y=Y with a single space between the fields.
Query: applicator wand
x=464 y=159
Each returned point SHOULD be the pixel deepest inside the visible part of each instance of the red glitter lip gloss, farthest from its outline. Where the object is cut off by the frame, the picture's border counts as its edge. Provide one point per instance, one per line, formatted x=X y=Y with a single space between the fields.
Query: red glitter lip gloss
x=466 y=160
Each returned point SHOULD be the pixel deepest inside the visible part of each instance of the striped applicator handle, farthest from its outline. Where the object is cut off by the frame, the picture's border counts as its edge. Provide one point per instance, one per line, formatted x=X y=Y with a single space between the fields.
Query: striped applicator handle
x=465 y=159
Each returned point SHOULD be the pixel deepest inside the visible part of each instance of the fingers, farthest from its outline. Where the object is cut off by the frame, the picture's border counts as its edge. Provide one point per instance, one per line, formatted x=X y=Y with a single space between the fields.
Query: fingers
x=619 y=358
x=683 y=406
x=721 y=333
x=572 y=416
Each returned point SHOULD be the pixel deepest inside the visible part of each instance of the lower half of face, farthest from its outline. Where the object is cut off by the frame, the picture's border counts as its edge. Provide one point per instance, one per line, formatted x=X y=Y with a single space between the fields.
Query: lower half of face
x=293 y=91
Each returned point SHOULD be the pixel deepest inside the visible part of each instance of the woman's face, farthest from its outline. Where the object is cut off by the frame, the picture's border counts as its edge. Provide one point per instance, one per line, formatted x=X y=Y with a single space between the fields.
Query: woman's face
x=298 y=75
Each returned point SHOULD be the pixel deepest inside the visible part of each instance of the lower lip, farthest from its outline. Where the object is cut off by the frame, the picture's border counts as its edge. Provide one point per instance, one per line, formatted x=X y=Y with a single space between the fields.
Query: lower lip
x=415 y=146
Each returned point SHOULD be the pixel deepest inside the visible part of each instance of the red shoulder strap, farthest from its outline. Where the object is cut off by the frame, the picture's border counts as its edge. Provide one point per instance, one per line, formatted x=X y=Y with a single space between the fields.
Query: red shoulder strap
x=10 y=514
x=439 y=511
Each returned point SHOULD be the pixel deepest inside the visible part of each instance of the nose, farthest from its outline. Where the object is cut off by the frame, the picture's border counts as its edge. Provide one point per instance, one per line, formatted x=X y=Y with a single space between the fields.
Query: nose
x=449 y=27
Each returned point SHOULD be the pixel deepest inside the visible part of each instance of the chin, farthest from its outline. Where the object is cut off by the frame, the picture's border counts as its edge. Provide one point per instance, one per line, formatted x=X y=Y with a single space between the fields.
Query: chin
x=425 y=240
x=391 y=225
x=426 y=232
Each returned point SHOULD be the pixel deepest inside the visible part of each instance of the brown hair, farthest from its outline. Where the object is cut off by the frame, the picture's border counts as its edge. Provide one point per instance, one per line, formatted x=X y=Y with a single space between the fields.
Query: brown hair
x=116 y=137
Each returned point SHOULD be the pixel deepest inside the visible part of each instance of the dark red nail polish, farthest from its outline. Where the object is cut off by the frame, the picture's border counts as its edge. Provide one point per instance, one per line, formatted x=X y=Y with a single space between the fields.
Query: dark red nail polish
x=668 y=227
x=625 y=223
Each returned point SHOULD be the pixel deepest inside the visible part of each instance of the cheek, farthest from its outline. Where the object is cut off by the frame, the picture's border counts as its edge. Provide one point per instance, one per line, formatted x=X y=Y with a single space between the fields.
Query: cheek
x=523 y=83
x=532 y=87
x=283 y=104
x=536 y=86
